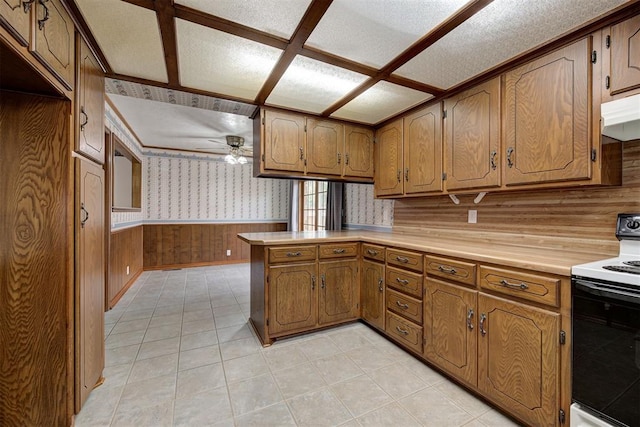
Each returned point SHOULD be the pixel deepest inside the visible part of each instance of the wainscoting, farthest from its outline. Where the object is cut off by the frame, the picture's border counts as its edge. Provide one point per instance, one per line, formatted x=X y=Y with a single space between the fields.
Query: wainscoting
x=182 y=245
x=125 y=250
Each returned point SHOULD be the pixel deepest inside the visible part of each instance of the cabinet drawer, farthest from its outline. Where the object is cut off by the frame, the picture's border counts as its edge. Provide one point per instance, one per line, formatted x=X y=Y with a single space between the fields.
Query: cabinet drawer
x=460 y=271
x=405 y=259
x=373 y=251
x=404 y=281
x=343 y=250
x=292 y=254
x=404 y=331
x=531 y=287
x=403 y=305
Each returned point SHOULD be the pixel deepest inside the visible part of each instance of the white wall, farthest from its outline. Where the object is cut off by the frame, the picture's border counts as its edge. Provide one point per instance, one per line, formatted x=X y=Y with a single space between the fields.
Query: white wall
x=363 y=211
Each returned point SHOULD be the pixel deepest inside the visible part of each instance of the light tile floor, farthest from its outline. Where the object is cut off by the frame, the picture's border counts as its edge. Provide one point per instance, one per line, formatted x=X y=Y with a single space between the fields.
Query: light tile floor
x=179 y=352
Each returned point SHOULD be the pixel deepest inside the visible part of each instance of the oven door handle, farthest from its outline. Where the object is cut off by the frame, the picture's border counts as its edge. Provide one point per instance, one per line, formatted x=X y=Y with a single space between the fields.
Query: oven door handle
x=595 y=289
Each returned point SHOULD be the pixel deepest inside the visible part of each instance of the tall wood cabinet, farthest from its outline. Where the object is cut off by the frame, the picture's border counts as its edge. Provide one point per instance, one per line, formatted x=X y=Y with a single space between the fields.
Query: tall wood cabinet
x=89 y=105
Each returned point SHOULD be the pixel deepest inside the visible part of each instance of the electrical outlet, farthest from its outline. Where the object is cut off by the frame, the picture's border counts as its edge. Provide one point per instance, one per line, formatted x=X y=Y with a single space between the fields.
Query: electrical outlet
x=127 y=270
x=473 y=216
x=228 y=252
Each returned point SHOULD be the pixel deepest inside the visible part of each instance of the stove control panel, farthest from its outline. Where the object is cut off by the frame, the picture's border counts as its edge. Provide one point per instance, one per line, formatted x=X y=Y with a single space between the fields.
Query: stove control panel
x=628 y=227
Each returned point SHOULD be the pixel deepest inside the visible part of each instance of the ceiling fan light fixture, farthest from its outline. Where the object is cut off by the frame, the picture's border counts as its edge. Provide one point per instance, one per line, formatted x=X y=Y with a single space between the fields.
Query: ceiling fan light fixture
x=235 y=156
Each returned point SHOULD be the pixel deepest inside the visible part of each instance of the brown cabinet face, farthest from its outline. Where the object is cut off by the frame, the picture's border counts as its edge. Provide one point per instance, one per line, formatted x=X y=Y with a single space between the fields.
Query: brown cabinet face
x=625 y=55
x=404 y=331
x=325 y=147
x=339 y=291
x=472 y=137
x=388 y=173
x=15 y=17
x=90 y=114
x=53 y=44
x=450 y=325
x=358 y=152
x=546 y=121
x=283 y=141
x=423 y=151
x=292 y=298
x=372 y=294
x=518 y=358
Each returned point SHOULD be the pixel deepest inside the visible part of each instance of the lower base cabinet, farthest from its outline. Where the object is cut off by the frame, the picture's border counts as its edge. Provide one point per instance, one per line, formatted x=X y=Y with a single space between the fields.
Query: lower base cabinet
x=372 y=294
x=292 y=298
x=339 y=297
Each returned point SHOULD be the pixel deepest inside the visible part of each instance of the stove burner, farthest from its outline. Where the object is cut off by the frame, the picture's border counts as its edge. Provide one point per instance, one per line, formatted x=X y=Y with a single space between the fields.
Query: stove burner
x=634 y=263
x=623 y=269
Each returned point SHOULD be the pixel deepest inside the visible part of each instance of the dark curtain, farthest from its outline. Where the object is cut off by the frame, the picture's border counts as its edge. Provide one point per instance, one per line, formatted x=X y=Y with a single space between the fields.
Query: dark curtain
x=335 y=194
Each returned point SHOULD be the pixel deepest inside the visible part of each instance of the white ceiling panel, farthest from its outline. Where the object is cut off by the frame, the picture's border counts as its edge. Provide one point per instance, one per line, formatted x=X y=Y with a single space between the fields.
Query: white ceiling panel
x=374 y=32
x=381 y=102
x=313 y=86
x=502 y=30
x=222 y=63
x=128 y=36
x=277 y=17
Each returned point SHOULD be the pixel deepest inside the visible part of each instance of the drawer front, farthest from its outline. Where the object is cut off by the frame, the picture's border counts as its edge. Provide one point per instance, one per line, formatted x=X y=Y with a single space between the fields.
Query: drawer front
x=404 y=331
x=292 y=254
x=404 y=281
x=403 y=305
x=405 y=259
x=373 y=251
x=343 y=250
x=460 y=271
x=532 y=287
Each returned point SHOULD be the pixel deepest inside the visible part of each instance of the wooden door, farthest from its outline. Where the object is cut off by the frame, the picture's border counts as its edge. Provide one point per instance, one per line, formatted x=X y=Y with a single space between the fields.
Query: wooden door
x=547 y=118
x=372 y=293
x=518 y=356
x=472 y=137
x=90 y=105
x=625 y=55
x=292 y=298
x=54 y=40
x=15 y=17
x=339 y=291
x=450 y=329
x=388 y=165
x=325 y=147
x=423 y=151
x=90 y=286
x=358 y=152
x=283 y=142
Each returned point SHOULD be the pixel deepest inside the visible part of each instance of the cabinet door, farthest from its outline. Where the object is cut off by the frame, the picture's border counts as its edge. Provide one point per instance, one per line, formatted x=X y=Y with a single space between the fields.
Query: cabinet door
x=90 y=290
x=518 y=358
x=547 y=118
x=358 y=152
x=388 y=167
x=292 y=298
x=339 y=291
x=625 y=55
x=372 y=293
x=283 y=142
x=450 y=329
x=90 y=113
x=14 y=16
x=54 y=40
x=423 y=151
x=325 y=147
x=472 y=137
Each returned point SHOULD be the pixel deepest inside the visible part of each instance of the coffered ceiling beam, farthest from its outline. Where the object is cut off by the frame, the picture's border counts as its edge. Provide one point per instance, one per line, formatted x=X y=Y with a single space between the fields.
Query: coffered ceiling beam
x=167 y=24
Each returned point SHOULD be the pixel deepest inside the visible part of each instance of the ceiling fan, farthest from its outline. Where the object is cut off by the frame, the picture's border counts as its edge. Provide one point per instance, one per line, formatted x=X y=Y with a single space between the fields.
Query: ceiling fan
x=236 y=150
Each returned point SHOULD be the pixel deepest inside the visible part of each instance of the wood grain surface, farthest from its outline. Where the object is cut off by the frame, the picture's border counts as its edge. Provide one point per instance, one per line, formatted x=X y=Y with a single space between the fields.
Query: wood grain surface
x=125 y=250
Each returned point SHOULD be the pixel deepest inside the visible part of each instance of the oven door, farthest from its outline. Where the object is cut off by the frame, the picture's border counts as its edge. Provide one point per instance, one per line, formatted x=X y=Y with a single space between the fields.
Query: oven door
x=606 y=350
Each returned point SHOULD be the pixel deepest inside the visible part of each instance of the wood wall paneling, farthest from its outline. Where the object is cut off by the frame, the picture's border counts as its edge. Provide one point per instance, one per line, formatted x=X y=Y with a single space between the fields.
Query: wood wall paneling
x=125 y=250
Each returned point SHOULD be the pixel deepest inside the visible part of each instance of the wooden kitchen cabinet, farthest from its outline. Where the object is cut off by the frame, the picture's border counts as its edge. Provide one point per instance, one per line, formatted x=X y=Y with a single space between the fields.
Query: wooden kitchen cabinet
x=325 y=147
x=518 y=358
x=372 y=293
x=89 y=105
x=339 y=298
x=546 y=123
x=450 y=337
x=283 y=141
x=422 y=151
x=15 y=16
x=358 y=152
x=472 y=138
x=388 y=170
x=624 y=46
x=292 y=298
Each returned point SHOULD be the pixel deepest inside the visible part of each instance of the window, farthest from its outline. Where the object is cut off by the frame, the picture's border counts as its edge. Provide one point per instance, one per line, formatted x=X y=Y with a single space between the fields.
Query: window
x=126 y=177
x=314 y=205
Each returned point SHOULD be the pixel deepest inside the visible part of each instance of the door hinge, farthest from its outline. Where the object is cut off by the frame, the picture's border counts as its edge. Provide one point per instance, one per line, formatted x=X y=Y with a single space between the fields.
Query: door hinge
x=563 y=337
x=594 y=154
x=607 y=42
x=444 y=114
x=607 y=82
x=444 y=176
x=267 y=278
x=305 y=128
x=594 y=57
x=263 y=120
x=561 y=416
x=267 y=322
x=263 y=157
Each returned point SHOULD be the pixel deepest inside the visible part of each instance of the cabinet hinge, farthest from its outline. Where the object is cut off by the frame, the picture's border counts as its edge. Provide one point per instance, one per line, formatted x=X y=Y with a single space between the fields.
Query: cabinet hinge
x=563 y=337
x=267 y=278
x=607 y=82
x=607 y=42
x=561 y=416
x=263 y=120
x=594 y=154
x=305 y=128
x=594 y=57
x=267 y=322
x=444 y=114
x=444 y=176
x=263 y=157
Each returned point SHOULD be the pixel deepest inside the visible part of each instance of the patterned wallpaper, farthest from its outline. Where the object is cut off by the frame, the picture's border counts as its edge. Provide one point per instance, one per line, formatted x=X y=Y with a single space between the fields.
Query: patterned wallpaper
x=363 y=211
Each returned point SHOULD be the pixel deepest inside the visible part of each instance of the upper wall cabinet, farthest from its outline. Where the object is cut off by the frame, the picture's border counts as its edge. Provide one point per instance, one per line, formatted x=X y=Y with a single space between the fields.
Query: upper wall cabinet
x=624 y=46
x=283 y=141
x=358 y=152
x=15 y=16
x=472 y=137
x=325 y=147
x=89 y=105
x=388 y=170
x=546 y=122
x=422 y=151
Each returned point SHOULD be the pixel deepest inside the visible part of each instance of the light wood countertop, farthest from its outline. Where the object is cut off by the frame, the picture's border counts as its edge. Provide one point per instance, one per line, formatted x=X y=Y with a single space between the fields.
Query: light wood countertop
x=508 y=250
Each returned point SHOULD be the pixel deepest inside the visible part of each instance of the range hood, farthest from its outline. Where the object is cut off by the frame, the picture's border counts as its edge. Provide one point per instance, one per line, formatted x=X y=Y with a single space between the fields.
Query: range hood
x=621 y=118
